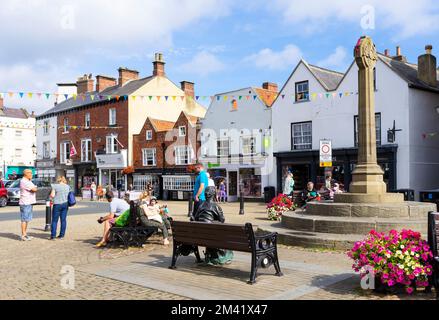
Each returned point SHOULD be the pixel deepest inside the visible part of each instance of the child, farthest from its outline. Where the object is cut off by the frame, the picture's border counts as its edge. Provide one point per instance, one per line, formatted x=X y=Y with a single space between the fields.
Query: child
x=222 y=191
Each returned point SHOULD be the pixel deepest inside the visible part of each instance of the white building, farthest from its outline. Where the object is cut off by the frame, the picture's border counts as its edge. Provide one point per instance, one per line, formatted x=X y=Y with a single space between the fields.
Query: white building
x=236 y=140
x=17 y=141
x=323 y=104
x=46 y=137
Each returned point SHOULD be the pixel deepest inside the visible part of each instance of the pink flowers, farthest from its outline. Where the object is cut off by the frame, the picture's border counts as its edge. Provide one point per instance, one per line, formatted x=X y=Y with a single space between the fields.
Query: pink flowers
x=397 y=258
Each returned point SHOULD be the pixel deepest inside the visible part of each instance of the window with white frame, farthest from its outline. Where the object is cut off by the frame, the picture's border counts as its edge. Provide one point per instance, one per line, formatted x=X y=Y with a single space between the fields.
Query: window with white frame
x=223 y=147
x=87 y=121
x=182 y=131
x=248 y=145
x=1 y=153
x=178 y=183
x=149 y=157
x=148 y=135
x=112 y=145
x=112 y=117
x=66 y=125
x=18 y=133
x=301 y=135
x=302 y=91
x=86 y=150
x=46 y=126
x=46 y=150
x=18 y=153
x=64 y=152
x=183 y=155
x=1 y=132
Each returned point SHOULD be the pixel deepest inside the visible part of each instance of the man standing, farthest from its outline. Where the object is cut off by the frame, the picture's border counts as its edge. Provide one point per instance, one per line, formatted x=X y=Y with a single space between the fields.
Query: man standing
x=201 y=183
x=27 y=200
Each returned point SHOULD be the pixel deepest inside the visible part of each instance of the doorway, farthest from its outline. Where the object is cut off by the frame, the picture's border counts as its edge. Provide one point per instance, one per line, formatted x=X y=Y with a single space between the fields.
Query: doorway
x=232 y=185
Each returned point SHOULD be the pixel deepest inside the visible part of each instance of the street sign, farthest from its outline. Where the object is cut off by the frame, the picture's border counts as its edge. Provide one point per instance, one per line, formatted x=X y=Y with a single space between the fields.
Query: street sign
x=325 y=153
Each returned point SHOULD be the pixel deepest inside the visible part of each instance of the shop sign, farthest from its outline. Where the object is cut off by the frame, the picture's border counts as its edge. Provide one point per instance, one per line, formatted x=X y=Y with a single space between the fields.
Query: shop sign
x=112 y=161
x=325 y=153
x=45 y=164
x=70 y=173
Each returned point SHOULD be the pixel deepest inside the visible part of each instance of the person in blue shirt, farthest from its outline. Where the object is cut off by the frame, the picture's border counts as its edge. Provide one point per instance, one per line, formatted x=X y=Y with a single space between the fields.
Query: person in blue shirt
x=201 y=183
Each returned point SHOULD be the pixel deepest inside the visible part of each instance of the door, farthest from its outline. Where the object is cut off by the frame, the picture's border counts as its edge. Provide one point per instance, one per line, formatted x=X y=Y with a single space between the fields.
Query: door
x=232 y=185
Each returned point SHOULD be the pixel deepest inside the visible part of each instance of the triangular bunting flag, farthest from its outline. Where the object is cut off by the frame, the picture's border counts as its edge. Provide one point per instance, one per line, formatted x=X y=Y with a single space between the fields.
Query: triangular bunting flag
x=47 y=95
x=173 y=98
x=182 y=98
x=254 y=97
x=30 y=94
x=150 y=98
x=158 y=98
x=21 y=94
x=92 y=97
x=66 y=96
x=166 y=98
x=11 y=94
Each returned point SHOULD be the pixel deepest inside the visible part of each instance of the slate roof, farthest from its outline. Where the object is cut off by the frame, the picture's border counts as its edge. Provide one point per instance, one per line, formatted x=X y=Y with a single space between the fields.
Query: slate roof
x=330 y=79
x=409 y=72
x=71 y=103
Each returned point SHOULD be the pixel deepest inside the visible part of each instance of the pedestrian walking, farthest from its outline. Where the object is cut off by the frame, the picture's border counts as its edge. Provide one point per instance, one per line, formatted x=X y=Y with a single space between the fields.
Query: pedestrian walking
x=27 y=200
x=59 y=195
x=222 y=193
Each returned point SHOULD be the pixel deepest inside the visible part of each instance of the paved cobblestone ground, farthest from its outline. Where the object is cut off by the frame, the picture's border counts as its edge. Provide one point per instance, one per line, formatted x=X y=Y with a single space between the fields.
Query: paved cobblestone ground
x=31 y=270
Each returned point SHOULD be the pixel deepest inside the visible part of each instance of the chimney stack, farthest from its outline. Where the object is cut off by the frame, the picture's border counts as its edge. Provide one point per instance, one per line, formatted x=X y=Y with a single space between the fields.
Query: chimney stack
x=85 y=84
x=188 y=88
x=427 y=67
x=399 y=56
x=126 y=75
x=1 y=102
x=159 y=65
x=386 y=52
x=104 y=82
x=270 y=86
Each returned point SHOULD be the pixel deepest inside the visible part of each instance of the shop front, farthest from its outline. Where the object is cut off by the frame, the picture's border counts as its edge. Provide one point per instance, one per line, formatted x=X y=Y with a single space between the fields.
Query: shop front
x=110 y=168
x=305 y=166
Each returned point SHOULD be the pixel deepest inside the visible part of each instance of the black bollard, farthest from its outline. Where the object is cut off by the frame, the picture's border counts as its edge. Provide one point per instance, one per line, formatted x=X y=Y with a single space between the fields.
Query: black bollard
x=241 y=204
x=190 y=204
x=48 y=215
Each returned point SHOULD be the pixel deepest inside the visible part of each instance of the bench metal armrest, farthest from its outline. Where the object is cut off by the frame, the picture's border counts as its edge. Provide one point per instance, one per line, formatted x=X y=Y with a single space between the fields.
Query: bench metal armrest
x=266 y=236
x=436 y=259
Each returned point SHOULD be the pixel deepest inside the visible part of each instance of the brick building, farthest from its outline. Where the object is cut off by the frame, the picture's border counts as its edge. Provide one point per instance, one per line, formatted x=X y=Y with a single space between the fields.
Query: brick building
x=99 y=122
x=162 y=152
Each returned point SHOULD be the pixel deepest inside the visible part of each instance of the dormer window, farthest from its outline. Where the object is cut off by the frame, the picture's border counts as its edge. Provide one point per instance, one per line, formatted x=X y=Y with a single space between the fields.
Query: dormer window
x=148 y=135
x=302 y=91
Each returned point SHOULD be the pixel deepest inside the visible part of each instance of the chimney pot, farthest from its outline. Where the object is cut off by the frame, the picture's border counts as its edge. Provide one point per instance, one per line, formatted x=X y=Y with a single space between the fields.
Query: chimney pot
x=398 y=50
x=428 y=48
x=1 y=102
x=386 y=52
x=159 y=65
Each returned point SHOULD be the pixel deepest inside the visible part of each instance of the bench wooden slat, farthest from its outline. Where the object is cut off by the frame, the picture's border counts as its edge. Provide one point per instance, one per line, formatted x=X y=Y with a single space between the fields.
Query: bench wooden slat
x=211 y=235
x=207 y=226
x=222 y=244
x=217 y=233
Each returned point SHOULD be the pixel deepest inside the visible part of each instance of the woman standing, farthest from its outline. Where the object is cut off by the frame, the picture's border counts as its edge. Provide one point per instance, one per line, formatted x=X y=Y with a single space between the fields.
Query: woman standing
x=59 y=195
x=222 y=193
x=289 y=184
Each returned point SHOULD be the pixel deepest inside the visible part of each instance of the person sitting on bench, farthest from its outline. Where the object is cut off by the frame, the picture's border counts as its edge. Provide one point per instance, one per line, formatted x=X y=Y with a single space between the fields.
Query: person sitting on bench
x=117 y=208
x=152 y=217
x=209 y=212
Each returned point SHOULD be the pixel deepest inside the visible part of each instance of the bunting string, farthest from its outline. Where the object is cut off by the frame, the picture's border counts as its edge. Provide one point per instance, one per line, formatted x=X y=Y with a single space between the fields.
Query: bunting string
x=152 y=98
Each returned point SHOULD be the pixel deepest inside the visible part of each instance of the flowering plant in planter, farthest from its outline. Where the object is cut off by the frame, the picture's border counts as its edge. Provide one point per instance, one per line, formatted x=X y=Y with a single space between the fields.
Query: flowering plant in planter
x=128 y=170
x=397 y=258
x=278 y=206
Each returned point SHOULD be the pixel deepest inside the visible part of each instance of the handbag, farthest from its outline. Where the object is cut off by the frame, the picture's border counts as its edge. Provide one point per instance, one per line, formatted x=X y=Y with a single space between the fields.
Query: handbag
x=71 y=199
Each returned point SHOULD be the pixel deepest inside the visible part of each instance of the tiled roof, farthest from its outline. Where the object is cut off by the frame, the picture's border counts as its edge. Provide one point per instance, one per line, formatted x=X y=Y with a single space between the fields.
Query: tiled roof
x=13 y=113
x=267 y=96
x=162 y=125
x=72 y=103
x=328 y=78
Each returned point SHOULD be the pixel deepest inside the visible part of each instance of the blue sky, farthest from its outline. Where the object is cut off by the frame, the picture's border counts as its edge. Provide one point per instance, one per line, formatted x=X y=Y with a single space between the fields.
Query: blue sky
x=221 y=45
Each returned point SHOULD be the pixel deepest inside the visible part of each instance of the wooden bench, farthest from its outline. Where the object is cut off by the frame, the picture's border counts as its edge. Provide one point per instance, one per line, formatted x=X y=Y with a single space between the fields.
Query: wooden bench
x=433 y=240
x=188 y=236
x=133 y=234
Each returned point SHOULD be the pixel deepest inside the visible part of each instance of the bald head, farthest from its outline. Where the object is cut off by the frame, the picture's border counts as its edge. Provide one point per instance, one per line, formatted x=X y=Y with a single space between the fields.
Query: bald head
x=27 y=174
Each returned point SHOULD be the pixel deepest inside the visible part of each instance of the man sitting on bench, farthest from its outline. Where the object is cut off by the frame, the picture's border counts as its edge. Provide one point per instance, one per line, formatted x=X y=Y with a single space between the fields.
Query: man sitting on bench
x=208 y=212
x=117 y=208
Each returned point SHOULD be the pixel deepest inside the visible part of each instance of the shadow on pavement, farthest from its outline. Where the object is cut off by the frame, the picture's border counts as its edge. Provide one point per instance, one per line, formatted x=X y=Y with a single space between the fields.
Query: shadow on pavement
x=12 y=236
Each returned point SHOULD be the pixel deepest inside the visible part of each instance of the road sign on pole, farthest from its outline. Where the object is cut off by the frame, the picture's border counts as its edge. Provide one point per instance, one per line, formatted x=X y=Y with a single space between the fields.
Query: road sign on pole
x=325 y=153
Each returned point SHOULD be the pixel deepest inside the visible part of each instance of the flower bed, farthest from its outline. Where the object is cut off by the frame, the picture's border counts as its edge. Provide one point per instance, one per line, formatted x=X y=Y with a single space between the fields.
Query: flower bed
x=278 y=206
x=397 y=259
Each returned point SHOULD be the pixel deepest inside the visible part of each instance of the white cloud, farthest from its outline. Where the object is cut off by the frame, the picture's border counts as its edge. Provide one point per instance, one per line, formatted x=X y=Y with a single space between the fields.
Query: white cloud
x=335 y=60
x=202 y=64
x=276 y=60
x=407 y=18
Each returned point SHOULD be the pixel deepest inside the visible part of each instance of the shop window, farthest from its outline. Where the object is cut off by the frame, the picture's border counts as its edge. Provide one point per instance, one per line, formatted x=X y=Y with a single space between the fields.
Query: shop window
x=302 y=91
x=301 y=135
x=251 y=183
x=149 y=157
x=178 y=183
x=377 y=129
